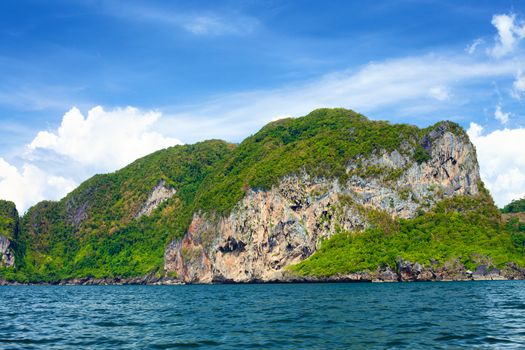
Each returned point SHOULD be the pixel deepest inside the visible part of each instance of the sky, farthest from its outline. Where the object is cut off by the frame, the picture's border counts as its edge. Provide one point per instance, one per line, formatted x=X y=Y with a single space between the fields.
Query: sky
x=90 y=85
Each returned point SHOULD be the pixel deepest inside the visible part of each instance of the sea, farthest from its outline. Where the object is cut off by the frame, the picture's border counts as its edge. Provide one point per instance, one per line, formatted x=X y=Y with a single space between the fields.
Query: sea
x=432 y=315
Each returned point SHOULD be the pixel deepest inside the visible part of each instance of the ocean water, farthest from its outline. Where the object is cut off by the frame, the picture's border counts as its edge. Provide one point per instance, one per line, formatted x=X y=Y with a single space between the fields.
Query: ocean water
x=449 y=315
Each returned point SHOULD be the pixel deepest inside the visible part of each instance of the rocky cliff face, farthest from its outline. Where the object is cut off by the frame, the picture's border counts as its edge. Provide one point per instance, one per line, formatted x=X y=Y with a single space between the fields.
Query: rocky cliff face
x=8 y=231
x=7 y=256
x=160 y=194
x=269 y=230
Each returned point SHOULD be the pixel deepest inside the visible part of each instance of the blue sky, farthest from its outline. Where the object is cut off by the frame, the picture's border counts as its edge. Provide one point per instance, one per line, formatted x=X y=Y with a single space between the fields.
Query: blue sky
x=88 y=86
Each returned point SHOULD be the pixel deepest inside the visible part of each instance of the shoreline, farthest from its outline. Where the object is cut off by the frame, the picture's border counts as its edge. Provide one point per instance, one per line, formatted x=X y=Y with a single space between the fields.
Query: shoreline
x=175 y=282
x=405 y=272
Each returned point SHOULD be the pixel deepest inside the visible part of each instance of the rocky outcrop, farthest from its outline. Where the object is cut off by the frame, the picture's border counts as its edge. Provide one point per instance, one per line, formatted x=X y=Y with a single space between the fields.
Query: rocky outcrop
x=160 y=194
x=401 y=186
x=150 y=279
x=76 y=213
x=266 y=232
x=454 y=271
x=7 y=257
x=270 y=230
x=8 y=232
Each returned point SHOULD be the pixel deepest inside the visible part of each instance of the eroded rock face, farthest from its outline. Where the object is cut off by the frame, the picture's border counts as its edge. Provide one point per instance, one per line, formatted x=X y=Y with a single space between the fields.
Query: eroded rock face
x=407 y=186
x=269 y=230
x=77 y=213
x=159 y=194
x=7 y=255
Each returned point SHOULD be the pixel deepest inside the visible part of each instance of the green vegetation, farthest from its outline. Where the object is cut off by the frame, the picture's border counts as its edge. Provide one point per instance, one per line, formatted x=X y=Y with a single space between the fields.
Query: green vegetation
x=322 y=144
x=421 y=155
x=94 y=231
x=516 y=206
x=8 y=219
x=516 y=227
x=462 y=227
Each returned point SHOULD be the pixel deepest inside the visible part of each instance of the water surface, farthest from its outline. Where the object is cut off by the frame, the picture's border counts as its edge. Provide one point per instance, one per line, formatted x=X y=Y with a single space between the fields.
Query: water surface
x=272 y=316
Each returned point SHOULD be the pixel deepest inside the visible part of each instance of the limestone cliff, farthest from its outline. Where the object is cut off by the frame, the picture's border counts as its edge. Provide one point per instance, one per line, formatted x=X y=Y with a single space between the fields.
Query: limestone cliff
x=331 y=195
x=8 y=231
x=160 y=194
x=8 y=257
x=270 y=229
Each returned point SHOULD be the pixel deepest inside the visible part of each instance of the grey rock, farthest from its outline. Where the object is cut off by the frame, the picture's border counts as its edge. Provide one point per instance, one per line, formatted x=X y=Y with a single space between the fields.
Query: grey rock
x=160 y=194
x=6 y=253
x=272 y=229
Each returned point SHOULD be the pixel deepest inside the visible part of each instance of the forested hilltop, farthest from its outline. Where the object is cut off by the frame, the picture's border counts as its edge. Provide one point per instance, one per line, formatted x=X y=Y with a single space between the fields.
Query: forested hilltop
x=328 y=196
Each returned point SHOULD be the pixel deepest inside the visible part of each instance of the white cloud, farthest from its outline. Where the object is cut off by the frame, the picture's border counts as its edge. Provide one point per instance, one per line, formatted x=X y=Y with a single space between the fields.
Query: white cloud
x=30 y=185
x=440 y=93
x=102 y=141
x=518 y=87
x=202 y=23
x=501 y=116
x=474 y=130
x=216 y=25
x=502 y=161
x=421 y=83
x=471 y=48
x=510 y=33
x=105 y=140
x=279 y=117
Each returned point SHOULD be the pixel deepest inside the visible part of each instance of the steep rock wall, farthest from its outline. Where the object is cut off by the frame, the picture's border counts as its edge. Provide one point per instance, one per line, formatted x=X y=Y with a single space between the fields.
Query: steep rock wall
x=269 y=230
x=8 y=232
x=160 y=194
x=7 y=257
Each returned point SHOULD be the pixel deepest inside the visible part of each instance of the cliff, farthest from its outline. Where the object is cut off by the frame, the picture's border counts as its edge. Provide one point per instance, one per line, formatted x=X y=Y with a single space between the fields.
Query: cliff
x=328 y=196
x=118 y=224
x=8 y=232
x=269 y=230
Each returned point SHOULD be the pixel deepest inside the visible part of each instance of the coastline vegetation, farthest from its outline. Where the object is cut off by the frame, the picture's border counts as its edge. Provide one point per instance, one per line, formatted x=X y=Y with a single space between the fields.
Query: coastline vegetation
x=465 y=228
x=94 y=231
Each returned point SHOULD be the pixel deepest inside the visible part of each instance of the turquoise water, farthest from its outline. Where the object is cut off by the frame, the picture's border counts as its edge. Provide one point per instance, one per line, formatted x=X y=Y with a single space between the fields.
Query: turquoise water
x=273 y=316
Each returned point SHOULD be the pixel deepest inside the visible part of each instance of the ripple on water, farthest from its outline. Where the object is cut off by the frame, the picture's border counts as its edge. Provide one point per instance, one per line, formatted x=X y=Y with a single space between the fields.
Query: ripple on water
x=361 y=316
